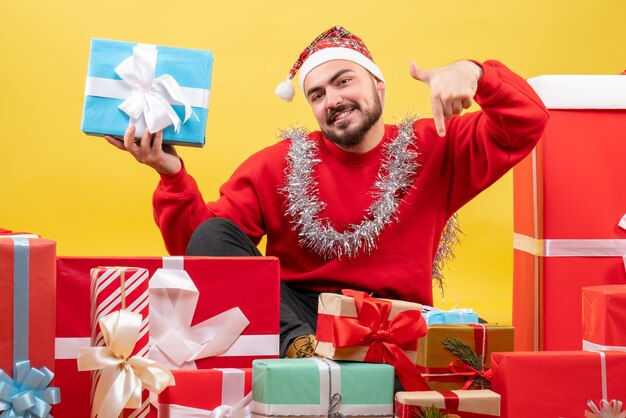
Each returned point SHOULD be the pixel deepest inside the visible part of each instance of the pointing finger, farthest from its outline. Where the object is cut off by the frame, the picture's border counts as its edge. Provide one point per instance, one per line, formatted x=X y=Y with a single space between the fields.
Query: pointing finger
x=438 y=116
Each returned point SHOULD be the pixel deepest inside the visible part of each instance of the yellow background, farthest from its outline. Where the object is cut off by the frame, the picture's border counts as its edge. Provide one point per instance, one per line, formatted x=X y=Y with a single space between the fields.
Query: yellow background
x=95 y=200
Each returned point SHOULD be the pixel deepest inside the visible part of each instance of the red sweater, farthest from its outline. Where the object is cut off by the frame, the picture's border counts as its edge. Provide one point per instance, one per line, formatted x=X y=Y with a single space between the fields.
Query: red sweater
x=478 y=149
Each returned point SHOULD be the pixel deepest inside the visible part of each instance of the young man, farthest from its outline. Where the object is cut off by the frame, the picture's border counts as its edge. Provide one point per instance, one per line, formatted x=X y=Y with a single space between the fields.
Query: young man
x=359 y=204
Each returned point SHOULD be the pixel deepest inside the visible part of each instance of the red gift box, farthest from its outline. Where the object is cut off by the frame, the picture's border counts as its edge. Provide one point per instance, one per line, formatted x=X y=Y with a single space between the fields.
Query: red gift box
x=556 y=383
x=205 y=390
x=250 y=283
x=604 y=317
x=568 y=201
x=27 y=297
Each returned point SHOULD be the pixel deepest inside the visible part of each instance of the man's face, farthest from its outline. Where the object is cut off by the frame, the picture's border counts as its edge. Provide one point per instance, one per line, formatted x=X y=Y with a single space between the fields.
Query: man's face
x=346 y=100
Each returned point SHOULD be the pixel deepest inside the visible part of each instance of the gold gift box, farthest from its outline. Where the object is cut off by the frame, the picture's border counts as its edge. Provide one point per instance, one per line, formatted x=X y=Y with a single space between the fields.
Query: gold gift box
x=432 y=355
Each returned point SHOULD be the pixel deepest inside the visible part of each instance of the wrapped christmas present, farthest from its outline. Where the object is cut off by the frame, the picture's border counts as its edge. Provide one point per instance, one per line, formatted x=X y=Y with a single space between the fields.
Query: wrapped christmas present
x=354 y=326
x=458 y=356
x=207 y=392
x=314 y=387
x=434 y=316
x=558 y=383
x=568 y=202
x=463 y=403
x=604 y=317
x=225 y=289
x=114 y=289
x=27 y=294
x=149 y=86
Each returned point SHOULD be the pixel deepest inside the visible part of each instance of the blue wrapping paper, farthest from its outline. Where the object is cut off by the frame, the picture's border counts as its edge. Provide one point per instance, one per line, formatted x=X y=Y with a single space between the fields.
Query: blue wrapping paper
x=190 y=68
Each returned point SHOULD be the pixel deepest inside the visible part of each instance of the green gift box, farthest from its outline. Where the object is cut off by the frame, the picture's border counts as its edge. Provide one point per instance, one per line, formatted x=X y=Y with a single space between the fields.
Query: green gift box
x=316 y=387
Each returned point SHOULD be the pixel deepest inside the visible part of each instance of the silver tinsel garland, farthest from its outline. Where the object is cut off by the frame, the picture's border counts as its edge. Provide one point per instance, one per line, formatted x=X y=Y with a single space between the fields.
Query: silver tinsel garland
x=395 y=177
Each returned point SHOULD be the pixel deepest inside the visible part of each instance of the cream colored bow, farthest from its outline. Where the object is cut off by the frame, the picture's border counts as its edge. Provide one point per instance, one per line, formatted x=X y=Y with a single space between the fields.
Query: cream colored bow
x=122 y=378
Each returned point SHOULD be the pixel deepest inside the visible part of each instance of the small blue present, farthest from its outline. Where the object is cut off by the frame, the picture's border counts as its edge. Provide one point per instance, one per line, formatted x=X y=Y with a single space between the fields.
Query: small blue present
x=157 y=87
x=434 y=316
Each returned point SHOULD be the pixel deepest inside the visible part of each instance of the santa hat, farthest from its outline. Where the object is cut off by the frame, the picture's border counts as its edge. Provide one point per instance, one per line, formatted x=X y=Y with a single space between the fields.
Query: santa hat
x=334 y=44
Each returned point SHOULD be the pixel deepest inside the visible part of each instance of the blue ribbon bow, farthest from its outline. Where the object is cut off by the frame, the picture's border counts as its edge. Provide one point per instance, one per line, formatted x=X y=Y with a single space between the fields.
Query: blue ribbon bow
x=28 y=395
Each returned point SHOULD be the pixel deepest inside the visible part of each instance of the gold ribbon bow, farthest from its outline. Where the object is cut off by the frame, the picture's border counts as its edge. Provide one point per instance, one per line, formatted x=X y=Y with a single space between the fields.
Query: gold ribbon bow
x=122 y=378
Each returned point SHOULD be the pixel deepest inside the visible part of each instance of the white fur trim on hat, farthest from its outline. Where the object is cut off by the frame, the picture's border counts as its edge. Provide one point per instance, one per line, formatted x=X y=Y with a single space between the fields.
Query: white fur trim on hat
x=329 y=54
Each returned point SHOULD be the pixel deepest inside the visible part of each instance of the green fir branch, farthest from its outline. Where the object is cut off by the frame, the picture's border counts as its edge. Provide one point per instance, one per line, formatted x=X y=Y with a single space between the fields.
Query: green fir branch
x=468 y=356
x=430 y=412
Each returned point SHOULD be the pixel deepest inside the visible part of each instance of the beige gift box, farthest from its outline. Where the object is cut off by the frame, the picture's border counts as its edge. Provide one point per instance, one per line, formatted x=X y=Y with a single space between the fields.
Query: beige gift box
x=336 y=305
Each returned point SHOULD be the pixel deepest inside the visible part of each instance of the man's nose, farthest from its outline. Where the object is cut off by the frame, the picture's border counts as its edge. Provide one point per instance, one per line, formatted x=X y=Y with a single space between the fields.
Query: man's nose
x=333 y=99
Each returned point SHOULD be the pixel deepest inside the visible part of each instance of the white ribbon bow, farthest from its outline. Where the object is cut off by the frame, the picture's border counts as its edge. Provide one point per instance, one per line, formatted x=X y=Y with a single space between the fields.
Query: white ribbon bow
x=174 y=342
x=240 y=410
x=612 y=409
x=151 y=96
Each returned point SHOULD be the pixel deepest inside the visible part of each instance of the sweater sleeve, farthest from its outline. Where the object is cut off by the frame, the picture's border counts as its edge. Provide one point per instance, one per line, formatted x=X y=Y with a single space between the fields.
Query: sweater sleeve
x=179 y=207
x=482 y=146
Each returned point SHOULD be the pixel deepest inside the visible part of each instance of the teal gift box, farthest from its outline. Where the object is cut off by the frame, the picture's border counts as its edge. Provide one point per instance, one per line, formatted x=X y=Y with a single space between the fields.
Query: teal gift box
x=157 y=87
x=316 y=387
x=434 y=316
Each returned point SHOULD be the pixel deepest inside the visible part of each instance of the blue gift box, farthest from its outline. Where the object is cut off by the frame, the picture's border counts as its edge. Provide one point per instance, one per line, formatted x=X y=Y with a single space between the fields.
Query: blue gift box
x=434 y=316
x=175 y=81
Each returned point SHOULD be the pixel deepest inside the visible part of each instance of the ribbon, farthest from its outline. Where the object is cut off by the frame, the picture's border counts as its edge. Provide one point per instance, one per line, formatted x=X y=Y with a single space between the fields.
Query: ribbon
x=450 y=399
x=240 y=410
x=175 y=343
x=123 y=377
x=590 y=346
x=612 y=409
x=150 y=96
x=384 y=337
x=28 y=396
x=573 y=247
x=21 y=275
x=459 y=368
x=608 y=409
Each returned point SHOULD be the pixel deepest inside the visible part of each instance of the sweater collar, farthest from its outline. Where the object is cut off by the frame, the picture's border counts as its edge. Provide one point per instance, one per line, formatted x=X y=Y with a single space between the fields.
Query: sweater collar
x=355 y=159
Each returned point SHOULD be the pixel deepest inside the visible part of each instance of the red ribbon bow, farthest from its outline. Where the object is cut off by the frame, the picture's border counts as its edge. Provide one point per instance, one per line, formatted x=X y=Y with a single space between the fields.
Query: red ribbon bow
x=385 y=338
x=464 y=369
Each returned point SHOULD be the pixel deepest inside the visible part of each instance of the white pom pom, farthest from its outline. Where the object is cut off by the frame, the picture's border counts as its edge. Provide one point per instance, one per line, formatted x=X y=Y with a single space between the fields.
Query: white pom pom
x=285 y=90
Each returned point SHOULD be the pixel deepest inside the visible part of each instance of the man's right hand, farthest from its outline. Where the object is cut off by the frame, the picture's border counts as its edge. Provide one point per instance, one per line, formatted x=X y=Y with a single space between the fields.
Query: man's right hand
x=149 y=150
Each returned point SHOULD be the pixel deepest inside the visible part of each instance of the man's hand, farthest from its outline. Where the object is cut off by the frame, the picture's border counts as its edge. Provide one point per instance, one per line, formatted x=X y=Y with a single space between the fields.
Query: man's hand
x=452 y=89
x=148 y=150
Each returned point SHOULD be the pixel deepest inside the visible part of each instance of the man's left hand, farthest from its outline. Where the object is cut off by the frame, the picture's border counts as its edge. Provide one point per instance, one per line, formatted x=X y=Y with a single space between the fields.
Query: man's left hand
x=452 y=89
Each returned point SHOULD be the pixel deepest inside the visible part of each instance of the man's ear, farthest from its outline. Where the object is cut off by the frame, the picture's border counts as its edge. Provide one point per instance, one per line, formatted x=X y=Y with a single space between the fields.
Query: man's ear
x=380 y=85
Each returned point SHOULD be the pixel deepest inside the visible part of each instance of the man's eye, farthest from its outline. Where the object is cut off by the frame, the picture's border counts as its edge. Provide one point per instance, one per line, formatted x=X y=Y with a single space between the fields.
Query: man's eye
x=316 y=97
x=344 y=80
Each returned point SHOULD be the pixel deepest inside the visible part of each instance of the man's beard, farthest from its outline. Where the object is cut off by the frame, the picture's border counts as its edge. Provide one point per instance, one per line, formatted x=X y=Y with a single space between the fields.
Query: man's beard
x=347 y=138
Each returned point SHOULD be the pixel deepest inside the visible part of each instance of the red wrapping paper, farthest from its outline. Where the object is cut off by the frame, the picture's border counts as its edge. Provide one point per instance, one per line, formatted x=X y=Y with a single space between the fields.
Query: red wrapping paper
x=604 y=317
x=41 y=302
x=576 y=193
x=206 y=389
x=555 y=383
x=251 y=283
